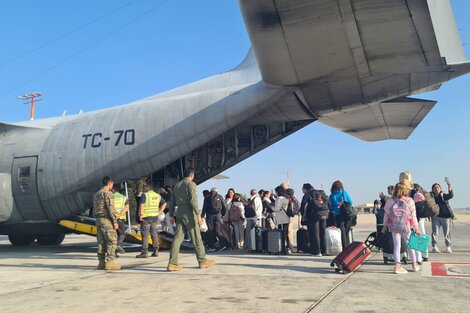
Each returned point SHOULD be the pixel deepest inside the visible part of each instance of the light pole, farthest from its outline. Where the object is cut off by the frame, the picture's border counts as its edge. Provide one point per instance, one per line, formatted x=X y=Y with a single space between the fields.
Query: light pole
x=31 y=96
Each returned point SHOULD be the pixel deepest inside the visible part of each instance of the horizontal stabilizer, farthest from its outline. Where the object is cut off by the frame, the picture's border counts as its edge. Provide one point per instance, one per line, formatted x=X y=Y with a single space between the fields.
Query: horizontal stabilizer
x=394 y=119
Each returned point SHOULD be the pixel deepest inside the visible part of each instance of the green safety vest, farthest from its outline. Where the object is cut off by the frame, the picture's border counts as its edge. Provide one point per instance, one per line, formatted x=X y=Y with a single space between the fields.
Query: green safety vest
x=119 y=204
x=152 y=204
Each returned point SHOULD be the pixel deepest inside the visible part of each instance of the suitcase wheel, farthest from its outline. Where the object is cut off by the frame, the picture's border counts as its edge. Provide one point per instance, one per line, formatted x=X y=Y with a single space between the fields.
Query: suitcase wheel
x=337 y=270
x=332 y=264
x=385 y=260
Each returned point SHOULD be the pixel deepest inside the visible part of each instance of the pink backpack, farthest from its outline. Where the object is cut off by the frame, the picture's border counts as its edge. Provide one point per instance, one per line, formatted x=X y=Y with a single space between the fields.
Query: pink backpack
x=399 y=216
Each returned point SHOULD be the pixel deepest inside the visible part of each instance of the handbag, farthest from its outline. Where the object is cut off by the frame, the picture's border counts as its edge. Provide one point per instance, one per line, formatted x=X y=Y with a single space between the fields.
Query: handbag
x=289 y=211
x=346 y=210
x=419 y=243
x=203 y=227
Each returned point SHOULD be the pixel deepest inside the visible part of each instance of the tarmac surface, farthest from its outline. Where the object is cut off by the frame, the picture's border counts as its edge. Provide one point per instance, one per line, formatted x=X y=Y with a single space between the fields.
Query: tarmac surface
x=65 y=278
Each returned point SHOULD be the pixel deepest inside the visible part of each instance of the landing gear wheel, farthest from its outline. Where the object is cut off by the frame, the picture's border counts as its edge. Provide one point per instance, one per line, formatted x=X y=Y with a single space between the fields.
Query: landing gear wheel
x=50 y=240
x=21 y=240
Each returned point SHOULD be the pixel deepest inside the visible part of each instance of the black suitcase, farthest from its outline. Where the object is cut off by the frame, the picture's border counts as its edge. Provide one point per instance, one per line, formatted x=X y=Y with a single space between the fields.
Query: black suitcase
x=303 y=242
x=387 y=248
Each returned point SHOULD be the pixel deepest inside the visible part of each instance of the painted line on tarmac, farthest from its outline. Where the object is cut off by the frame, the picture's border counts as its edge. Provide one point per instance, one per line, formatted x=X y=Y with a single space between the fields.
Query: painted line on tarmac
x=313 y=306
x=450 y=269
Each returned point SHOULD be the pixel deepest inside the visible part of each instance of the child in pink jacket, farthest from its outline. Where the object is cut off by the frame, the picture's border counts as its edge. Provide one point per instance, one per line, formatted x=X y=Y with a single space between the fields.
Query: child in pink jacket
x=400 y=217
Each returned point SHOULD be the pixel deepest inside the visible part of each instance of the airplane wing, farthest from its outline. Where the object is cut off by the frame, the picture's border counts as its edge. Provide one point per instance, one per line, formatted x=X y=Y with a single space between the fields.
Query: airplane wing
x=344 y=57
x=395 y=119
x=298 y=41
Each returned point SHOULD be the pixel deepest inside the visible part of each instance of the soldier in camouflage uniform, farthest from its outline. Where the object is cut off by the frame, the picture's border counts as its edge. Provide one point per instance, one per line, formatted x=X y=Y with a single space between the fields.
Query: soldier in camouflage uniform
x=185 y=212
x=106 y=226
x=131 y=189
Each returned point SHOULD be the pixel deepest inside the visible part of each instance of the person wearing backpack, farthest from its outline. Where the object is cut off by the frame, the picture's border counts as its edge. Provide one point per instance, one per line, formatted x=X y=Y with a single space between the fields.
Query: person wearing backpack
x=337 y=197
x=418 y=195
x=314 y=210
x=212 y=212
x=399 y=218
x=253 y=215
x=445 y=216
x=280 y=215
x=236 y=217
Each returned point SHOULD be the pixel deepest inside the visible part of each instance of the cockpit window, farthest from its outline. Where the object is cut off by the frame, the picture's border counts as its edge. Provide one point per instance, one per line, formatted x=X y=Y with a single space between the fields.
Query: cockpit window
x=24 y=173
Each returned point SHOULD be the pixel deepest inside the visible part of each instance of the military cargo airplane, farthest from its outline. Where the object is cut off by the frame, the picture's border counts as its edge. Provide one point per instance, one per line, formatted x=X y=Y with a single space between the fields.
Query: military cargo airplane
x=350 y=64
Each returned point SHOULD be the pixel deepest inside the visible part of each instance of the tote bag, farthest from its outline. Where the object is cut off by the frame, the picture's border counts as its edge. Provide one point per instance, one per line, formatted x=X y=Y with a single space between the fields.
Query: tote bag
x=419 y=243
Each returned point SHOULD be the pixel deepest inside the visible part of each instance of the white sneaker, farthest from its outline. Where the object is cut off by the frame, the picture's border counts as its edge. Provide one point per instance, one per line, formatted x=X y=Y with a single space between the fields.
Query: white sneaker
x=435 y=249
x=400 y=270
x=449 y=250
x=416 y=268
x=319 y=254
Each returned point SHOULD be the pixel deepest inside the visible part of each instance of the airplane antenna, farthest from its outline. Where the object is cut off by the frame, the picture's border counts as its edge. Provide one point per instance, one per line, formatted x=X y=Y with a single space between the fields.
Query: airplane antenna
x=31 y=98
x=288 y=174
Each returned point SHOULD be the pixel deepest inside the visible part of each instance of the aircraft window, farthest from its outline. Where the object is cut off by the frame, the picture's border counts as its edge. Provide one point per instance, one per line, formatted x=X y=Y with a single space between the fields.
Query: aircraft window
x=24 y=173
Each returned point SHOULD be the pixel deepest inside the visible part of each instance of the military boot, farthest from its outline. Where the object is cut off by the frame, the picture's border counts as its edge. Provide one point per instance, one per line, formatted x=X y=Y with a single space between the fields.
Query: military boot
x=112 y=266
x=206 y=263
x=173 y=267
x=101 y=264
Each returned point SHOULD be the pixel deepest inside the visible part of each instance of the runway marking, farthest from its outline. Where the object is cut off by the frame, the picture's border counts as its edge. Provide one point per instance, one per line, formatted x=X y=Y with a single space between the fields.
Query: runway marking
x=449 y=269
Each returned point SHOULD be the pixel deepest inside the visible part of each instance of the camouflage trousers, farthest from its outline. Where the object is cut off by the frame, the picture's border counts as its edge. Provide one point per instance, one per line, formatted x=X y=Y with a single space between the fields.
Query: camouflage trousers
x=107 y=239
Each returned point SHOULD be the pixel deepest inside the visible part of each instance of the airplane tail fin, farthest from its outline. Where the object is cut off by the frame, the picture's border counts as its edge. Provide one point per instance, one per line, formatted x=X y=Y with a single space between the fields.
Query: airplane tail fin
x=447 y=33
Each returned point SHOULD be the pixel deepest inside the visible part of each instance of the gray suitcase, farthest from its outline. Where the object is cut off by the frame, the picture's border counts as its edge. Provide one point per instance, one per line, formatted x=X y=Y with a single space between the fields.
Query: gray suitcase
x=275 y=241
x=256 y=242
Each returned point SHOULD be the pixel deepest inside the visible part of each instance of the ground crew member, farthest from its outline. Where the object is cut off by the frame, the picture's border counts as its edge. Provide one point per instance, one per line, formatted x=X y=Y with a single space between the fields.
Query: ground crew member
x=150 y=207
x=121 y=205
x=139 y=191
x=106 y=226
x=185 y=213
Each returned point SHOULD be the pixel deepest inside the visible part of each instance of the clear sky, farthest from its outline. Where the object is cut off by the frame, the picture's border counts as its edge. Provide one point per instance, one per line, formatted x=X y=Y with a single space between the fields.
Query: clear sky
x=87 y=55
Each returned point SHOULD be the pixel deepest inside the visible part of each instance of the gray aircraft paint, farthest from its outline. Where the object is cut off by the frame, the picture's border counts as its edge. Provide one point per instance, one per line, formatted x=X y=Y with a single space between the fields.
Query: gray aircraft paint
x=276 y=84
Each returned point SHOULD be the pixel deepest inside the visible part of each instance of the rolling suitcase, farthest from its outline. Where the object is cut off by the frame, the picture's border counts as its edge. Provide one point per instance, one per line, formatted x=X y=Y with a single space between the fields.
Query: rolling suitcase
x=256 y=241
x=351 y=257
x=275 y=243
x=303 y=242
x=387 y=248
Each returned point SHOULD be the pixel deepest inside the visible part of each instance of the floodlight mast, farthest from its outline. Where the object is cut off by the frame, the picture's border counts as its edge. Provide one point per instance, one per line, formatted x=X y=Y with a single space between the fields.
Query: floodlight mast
x=31 y=96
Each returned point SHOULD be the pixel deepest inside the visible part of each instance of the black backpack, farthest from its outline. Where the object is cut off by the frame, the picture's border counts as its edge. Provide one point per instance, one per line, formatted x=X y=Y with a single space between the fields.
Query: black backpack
x=317 y=204
x=249 y=209
x=217 y=204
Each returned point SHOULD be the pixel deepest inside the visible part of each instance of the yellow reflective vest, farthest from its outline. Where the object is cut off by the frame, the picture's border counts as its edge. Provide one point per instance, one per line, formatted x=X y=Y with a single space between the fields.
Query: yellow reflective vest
x=119 y=204
x=152 y=204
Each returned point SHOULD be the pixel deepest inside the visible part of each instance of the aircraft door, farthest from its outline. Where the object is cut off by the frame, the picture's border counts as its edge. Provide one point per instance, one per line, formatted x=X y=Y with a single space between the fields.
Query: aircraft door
x=25 y=191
